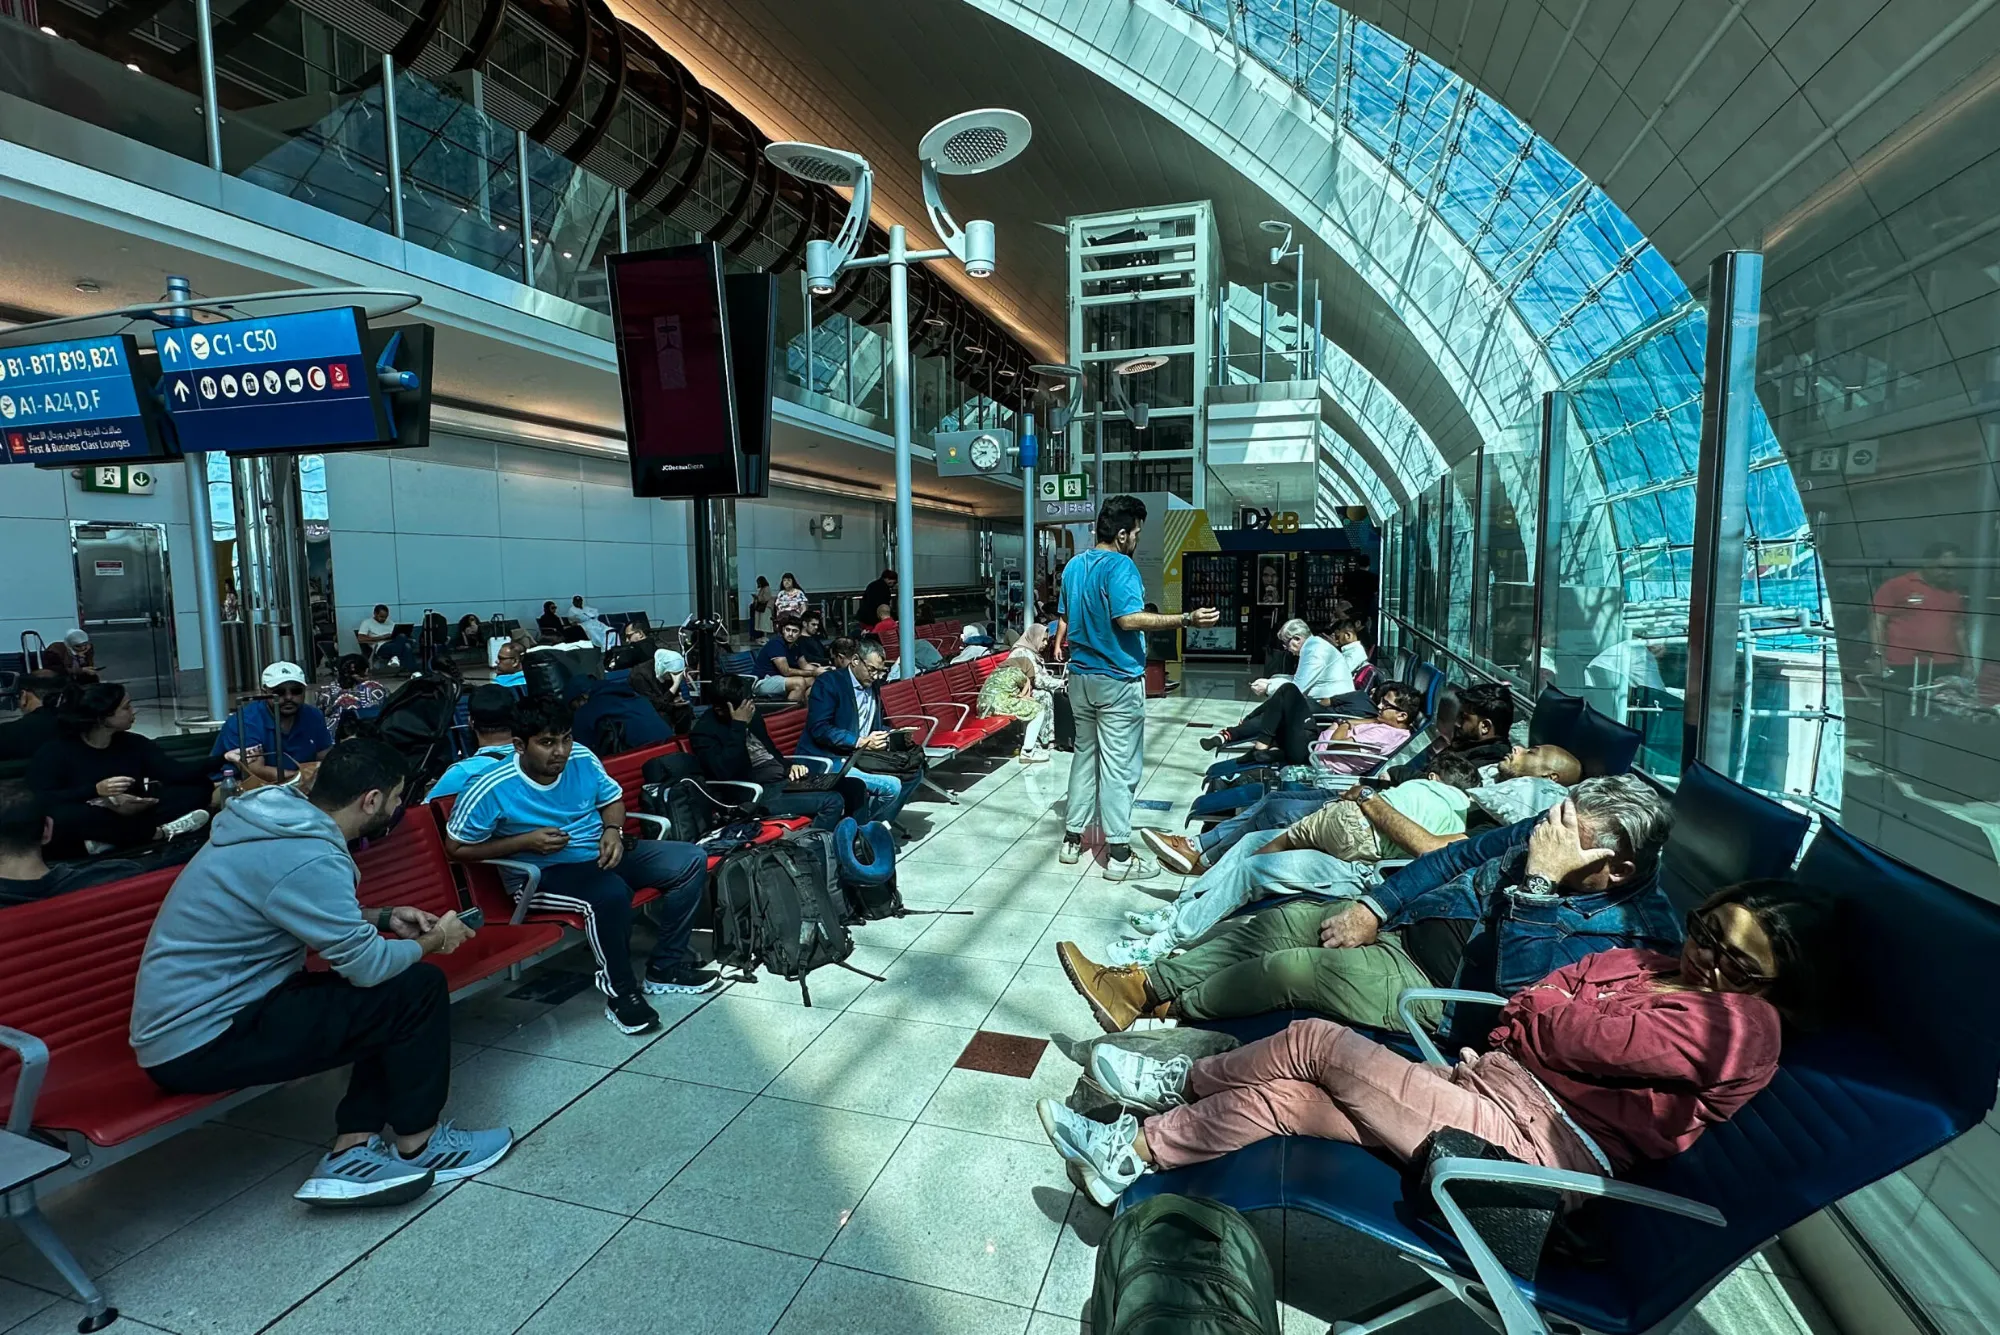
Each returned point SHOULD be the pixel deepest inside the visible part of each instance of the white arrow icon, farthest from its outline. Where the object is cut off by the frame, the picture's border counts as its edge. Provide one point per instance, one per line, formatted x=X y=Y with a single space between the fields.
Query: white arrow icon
x=171 y=349
x=181 y=390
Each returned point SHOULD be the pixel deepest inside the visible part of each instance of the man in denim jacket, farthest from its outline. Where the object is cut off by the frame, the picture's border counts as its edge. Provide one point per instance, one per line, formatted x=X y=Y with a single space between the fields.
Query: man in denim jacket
x=1493 y=913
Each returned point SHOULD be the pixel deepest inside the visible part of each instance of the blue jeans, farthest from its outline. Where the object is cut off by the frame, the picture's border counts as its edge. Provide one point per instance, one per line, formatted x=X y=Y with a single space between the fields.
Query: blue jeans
x=604 y=898
x=1246 y=874
x=1110 y=754
x=886 y=793
x=1274 y=812
x=401 y=648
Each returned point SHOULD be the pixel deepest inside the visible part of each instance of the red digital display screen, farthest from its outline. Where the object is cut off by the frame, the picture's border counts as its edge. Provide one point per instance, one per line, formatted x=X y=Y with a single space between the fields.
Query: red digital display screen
x=671 y=326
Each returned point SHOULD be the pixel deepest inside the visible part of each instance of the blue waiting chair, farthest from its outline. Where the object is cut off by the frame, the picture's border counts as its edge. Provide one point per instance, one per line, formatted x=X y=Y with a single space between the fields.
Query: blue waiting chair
x=1555 y=719
x=1911 y=1064
x=1603 y=745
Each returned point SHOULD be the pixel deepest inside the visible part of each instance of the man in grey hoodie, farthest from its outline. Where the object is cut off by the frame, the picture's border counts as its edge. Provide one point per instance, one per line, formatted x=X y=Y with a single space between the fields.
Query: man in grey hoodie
x=224 y=1002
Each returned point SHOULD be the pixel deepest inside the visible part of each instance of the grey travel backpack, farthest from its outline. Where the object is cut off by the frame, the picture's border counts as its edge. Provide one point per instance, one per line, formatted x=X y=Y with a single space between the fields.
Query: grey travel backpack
x=778 y=907
x=1172 y=1265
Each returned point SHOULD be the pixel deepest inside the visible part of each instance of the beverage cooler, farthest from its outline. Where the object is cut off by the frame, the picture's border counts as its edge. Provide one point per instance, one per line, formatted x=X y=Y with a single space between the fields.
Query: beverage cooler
x=1257 y=591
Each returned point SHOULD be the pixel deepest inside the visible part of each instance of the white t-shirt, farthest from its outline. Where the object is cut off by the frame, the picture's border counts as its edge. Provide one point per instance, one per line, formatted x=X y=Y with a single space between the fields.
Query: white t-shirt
x=374 y=628
x=1353 y=655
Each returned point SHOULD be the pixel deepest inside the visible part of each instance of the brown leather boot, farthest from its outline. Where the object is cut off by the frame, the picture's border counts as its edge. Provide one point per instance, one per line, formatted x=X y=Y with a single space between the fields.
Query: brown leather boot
x=1117 y=996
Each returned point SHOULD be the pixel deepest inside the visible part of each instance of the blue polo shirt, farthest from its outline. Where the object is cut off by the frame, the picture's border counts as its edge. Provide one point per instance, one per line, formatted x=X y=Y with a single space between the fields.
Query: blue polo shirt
x=255 y=725
x=1098 y=586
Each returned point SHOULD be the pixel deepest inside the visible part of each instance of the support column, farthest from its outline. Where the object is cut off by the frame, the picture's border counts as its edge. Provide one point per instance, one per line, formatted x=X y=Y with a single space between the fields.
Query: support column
x=1721 y=507
x=899 y=366
x=211 y=112
x=1028 y=523
x=393 y=141
x=1548 y=527
x=201 y=527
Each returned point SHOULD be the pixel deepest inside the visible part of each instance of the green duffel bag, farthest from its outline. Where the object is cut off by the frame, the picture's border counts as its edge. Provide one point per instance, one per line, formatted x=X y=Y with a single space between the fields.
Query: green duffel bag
x=1178 y=1266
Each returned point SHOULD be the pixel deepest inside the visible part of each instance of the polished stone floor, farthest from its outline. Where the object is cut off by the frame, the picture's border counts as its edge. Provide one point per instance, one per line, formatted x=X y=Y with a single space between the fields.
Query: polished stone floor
x=757 y=1167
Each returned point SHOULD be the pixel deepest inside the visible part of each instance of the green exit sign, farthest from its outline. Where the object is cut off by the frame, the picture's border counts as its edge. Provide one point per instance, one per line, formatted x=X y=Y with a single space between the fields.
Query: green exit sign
x=122 y=479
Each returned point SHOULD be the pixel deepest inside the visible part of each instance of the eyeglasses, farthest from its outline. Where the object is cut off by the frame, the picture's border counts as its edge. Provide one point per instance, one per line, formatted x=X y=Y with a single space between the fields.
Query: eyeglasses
x=1735 y=966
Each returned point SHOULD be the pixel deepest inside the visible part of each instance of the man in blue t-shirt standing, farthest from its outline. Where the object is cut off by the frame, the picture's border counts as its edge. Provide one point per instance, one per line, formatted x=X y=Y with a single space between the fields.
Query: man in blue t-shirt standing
x=554 y=808
x=1103 y=602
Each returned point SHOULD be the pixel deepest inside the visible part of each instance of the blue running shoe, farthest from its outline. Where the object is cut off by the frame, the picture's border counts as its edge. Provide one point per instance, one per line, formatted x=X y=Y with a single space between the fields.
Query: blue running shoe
x=456 y=1153
x=370 y=1174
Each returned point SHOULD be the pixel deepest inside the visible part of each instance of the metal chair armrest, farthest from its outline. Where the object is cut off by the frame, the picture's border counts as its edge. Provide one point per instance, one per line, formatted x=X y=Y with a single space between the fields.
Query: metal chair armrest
x=1446 y=1171
x=911 y=720
x=526 y=892
x=34 y=1055
x=1405 y=1011
x=662 y=827
x=964 y=712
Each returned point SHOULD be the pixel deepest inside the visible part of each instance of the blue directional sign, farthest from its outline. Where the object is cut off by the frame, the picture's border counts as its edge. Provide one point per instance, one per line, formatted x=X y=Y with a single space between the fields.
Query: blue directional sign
x=285 y=382
x=79 y=401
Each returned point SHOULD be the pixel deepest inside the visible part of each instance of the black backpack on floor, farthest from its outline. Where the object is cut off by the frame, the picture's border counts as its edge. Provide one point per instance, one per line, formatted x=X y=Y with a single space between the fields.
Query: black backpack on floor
x=1176 y=1266
x=778 y=907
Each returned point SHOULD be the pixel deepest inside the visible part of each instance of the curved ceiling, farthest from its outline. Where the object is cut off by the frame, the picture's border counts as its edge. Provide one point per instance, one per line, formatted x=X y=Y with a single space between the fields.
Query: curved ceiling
x=1707 y=121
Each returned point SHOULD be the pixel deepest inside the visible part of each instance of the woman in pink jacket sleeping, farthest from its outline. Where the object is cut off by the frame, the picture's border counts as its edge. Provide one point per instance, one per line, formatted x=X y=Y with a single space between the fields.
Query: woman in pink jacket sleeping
x=1623 y=1056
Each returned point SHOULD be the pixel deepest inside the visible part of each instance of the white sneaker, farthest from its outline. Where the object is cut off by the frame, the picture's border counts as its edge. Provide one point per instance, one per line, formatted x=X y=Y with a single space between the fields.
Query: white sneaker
x=1151 y=922
x=1137 y=1081
x=1147 y=950
x=1102 y=1156
x=187 y=824
x=1137 y=867
x=1034 y=757
x=1071 y=850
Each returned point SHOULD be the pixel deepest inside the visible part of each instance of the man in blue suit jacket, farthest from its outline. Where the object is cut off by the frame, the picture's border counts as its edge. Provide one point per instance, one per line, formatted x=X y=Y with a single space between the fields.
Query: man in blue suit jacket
x=844 y=714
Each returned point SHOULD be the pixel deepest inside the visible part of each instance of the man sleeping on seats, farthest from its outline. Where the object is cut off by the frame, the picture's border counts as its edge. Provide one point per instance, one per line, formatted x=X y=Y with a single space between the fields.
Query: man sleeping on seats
x=1331 y=851
x=1495 y=913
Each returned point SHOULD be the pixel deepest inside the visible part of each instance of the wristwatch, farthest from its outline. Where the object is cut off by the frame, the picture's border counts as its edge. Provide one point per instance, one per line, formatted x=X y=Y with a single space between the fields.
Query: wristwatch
x=1539 y=886
x=382 y=919
x=1187 y=618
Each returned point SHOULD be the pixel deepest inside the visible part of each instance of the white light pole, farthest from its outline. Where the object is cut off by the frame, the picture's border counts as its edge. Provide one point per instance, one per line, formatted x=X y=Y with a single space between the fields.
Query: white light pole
x=964 y=145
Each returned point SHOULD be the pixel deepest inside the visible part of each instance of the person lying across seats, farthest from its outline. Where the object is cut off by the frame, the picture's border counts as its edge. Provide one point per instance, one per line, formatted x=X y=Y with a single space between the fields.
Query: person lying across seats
x=1491 y=914
x=224 y=1000
x=1527 y=782
x=1624 y=1056
x=1331 y=851
x=1282 y=725
x=1368 y=740
x=25 y=827
x=554 y=808
x=1479 y=731
x=730 y=742
x=107 y=787
x=1023 y=688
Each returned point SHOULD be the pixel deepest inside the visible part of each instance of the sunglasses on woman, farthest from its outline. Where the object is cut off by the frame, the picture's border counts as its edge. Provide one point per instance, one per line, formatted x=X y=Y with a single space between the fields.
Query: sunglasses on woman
x=1734 y=966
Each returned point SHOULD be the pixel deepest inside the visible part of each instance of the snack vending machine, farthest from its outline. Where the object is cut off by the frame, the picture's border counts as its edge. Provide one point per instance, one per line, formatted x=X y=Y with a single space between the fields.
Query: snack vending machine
x=1215 y=579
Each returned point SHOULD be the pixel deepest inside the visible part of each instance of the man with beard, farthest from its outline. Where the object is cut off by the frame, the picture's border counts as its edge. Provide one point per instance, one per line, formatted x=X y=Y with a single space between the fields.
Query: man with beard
x=224 y=1000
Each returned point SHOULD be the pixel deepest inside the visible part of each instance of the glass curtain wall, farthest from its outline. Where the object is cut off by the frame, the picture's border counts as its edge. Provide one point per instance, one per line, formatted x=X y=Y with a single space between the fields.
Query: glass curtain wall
x=1879 y=369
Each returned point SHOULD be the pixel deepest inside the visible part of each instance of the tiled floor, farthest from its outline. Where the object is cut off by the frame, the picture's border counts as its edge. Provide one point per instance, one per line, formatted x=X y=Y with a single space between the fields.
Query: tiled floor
x=758 y=1167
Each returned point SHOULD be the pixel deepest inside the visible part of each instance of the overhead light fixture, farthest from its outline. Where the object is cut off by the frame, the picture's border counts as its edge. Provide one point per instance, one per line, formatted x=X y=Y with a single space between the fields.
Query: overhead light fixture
x=974 y=350
x=50 y=31
x=1139 y=365
x=934 y=321
x=966 y=145
x=88 y=285
x=830 y=167
x=134 y=68
x=1006 y=373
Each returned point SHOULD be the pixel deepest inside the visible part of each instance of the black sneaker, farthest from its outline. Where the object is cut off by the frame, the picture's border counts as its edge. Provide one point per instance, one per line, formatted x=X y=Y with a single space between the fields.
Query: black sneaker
x=631 y=1014
x=683 y=981
x=1215 y=743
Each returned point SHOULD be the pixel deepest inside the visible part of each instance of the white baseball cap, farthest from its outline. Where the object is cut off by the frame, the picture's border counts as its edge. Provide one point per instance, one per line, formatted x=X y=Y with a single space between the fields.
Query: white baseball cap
x=279 y=673
x=669 y=663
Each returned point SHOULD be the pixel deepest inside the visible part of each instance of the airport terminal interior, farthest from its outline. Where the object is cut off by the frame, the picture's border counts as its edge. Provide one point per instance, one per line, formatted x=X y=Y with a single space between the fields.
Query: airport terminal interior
x=999 y=667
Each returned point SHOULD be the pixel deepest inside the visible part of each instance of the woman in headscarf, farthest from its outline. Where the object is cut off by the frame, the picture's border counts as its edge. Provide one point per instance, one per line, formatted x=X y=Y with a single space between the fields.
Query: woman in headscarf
x=1022 y=687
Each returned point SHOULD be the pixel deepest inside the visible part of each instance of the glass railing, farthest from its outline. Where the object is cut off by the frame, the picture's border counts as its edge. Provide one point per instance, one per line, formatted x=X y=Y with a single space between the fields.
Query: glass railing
x=51 y=71
x=461 y=178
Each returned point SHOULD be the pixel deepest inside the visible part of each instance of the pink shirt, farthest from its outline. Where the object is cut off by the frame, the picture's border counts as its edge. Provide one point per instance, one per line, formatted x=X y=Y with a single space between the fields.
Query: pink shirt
x=1381 y=738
